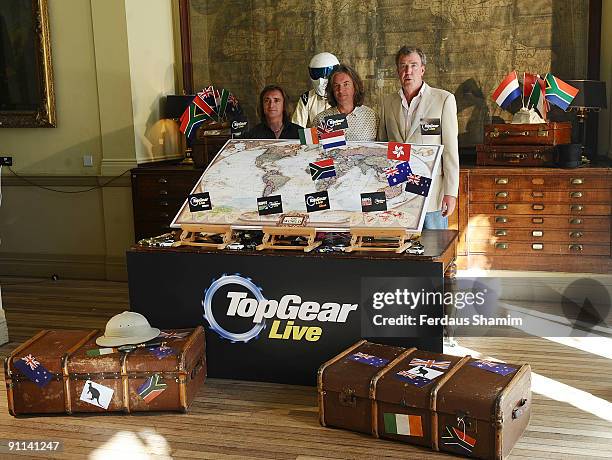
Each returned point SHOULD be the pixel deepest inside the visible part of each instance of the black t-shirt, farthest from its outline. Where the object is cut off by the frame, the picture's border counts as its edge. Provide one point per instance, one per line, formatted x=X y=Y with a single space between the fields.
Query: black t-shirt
x=262 y=131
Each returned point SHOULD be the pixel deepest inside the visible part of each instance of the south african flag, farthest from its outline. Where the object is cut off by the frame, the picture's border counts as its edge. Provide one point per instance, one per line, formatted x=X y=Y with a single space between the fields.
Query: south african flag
x=151 y=388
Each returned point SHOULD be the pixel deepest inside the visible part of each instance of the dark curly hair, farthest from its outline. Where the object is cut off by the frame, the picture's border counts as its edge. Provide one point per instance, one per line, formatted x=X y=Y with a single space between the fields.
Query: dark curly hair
x=357 y=83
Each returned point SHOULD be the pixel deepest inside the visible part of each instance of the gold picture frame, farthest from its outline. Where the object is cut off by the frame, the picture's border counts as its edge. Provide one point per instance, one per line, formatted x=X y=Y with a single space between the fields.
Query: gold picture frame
x=27 y=98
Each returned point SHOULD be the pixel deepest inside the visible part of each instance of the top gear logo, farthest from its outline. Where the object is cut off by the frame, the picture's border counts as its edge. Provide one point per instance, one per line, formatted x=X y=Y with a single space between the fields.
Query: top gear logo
x=208 y=314
x=290 y=307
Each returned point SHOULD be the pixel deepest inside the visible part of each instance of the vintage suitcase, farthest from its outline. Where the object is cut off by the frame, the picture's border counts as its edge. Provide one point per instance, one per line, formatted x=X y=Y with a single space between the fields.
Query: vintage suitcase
x=57 y=371
x=552 y=133
x=516 y=155
x=464 y=406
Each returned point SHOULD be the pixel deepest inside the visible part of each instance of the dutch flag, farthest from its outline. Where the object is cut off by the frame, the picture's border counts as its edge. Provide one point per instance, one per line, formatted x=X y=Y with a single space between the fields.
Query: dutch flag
x=508 y=91
x=333 y=139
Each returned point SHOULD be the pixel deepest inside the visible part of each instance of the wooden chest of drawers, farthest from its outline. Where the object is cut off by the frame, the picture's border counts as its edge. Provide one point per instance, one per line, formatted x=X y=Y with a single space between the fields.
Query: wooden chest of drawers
x=157 y=193
x=538 y=219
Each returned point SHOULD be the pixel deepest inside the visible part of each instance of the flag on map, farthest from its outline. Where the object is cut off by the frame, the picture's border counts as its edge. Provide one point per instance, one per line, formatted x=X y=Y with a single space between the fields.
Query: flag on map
x=308 y=136
x=368 y=359
x=398 y=173
x=456 y=439
x=398 y=151
x=498 y=368
x=529 y=81
x=100 y=351
x=151 y=388
x=558 y=92
x=33 y=370
x=430 y=363
x=507 y=91
x=408 y=425
x=418 y=185
x=322 y=169
x=332 y=140
x=537 y=99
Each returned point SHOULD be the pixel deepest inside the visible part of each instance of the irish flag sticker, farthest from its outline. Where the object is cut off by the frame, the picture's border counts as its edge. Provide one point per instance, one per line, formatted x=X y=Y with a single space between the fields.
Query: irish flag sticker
x=408 y=425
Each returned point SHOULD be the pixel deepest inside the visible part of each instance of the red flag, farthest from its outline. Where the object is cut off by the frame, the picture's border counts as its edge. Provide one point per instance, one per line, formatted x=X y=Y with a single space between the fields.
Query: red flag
x=398 y=151
x=529 y=80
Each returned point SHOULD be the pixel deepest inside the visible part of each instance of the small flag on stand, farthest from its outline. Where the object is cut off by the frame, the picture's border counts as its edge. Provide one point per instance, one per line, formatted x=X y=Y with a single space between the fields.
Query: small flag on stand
x=398 y=151
x=558 y=92
x=507 y=91
x=191 y=119
x=529 y=81
x=308 y=136
x=322 y=169
x=332 y=140
x=537 y=99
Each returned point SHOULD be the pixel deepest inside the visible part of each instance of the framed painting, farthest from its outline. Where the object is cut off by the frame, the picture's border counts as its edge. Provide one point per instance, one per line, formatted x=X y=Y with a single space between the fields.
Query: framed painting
x=27 y=98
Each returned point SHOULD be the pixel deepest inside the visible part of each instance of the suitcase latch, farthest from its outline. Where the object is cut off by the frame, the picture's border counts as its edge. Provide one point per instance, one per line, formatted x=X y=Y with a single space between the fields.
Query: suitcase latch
x=464 y=421
x=519 y=409
x=347 y=397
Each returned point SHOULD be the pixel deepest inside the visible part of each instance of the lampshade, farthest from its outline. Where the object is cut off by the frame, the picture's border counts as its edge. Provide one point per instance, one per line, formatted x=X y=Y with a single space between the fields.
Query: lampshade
x=591 y=94
x=176 y=105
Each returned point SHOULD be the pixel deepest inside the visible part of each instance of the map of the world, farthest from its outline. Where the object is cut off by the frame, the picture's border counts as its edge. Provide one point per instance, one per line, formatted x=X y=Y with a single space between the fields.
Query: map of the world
x=245 y=170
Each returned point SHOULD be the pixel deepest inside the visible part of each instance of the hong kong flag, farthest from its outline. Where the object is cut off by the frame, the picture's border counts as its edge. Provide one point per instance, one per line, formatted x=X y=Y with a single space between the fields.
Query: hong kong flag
x=397 y=151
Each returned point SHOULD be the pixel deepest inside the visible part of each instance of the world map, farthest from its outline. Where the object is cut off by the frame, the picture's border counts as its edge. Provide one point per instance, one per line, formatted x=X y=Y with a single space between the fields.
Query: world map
x=245 y=170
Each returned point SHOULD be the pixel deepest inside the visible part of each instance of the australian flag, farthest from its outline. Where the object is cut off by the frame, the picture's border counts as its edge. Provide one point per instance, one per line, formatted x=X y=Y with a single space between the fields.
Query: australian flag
x=418 y=184
x=32 y=369
x=233 y=110
x=322 y=169
x=498 y=368
x=368 y=359
x=162 y=351
x=398 y=173
x=416 y=380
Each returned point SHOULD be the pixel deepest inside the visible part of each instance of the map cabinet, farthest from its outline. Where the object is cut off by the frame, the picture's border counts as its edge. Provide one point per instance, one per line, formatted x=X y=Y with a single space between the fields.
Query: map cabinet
x=534 y=219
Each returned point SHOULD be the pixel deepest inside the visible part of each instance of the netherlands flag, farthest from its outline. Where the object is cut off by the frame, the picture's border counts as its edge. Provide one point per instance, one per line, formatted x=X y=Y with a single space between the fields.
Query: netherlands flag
x=333 y=139
x=508 y=91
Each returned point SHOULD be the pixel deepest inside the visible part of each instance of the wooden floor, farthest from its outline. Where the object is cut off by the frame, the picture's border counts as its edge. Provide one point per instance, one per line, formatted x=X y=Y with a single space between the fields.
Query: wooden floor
x=572 y=409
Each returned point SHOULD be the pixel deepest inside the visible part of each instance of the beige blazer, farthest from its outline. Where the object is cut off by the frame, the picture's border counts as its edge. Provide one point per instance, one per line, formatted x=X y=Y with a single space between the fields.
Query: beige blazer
x=435 y=103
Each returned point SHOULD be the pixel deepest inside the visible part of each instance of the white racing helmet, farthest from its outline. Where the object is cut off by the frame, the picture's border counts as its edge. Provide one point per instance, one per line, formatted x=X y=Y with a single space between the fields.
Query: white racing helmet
x=320 y=67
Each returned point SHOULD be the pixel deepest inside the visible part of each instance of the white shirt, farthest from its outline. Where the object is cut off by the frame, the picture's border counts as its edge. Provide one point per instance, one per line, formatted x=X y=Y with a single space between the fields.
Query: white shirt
x=410 y=109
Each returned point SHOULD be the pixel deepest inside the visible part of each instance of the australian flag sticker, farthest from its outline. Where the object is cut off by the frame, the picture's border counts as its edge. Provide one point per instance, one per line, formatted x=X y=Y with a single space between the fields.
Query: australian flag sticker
x=368 y=359
x=33 y=370
x=418 y=185
x=322 y=169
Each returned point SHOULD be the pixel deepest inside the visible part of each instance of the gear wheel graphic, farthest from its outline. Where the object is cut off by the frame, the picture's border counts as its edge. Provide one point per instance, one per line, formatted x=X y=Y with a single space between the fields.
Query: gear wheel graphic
x=208 y=314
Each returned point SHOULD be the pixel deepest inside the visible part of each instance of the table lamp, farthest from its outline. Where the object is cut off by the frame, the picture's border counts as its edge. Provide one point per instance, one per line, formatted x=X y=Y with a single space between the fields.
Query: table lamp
x=173 y=109
x=591 y=97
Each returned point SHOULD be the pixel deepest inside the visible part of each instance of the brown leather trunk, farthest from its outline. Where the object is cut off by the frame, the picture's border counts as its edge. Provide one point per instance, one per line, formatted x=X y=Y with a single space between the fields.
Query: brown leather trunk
x=174 y=378
x=552 y=133
x=515 y=155
x=459 y=408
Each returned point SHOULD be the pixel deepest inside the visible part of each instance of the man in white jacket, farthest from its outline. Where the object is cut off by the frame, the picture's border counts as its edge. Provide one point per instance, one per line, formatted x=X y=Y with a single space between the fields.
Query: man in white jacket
x=313 y=102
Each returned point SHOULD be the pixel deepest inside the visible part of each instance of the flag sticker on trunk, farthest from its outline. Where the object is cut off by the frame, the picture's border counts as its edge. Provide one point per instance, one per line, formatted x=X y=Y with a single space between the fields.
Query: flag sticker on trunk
x=457 y=440
x=407 y=425
x=497 y=368
x=96 y=394
x=151 y=388
x=33 y=370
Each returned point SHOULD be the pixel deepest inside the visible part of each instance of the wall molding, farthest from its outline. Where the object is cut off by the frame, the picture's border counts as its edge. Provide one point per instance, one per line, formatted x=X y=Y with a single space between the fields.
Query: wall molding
x=65 y=181
x=116 y=166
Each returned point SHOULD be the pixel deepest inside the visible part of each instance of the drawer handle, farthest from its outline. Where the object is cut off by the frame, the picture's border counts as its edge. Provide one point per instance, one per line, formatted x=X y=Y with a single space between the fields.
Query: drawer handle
x=501 y=220
x=575 y=247
x=575 y=194
x=537 y=220
x=538 y=233
x=501 y=207
x=501 y=180
x=576 y=207
x=537 y=207
x=163 y=214
x=537 y=246
x=576 y=234
x=501 y=232
x=575 y=221
x=501 y=194
x=163 y=203
x=163 y=192
x=537 y=181
x=162 y=180
x=501 y=245
x=537 y=194
x=576 y=181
